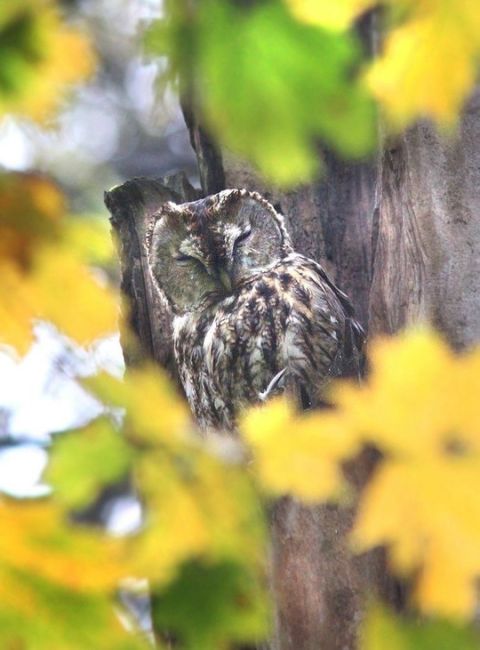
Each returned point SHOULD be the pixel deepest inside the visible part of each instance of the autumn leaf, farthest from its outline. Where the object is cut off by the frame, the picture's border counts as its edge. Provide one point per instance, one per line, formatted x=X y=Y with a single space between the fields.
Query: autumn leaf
x=412 y=400
x=59 y=289
x=32 y=208
x=298 y=454
x=41 y=57
x=36 y=614
x=429 y=62
x=337 y=15
x=44 y=266
x=86 y=460
x=198 y=501
x=68 y=294
x=155 y=412
x=381 y=626
x=197 y=505
x=35 y=538
x=419 y=407
x=428 y=514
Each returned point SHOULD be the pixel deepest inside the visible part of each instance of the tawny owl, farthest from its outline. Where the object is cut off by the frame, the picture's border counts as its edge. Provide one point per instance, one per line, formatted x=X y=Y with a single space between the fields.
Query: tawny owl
x=251 y=316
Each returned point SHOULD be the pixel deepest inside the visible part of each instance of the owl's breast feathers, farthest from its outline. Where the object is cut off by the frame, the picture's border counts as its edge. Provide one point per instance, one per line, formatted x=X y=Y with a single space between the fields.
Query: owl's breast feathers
x=290 y=316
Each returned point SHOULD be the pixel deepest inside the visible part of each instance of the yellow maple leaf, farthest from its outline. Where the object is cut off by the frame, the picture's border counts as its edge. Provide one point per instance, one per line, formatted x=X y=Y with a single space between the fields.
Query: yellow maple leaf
x=429 y=63
x=46 y=54
x=419 y=406
x=467 y=390
x=428 y=513
x=174 y=529
x=31 y=208
x=17 y=306
x=410 y=403
x=59 y=289
x=155 y=412
x=69 y=295
x=337 y=15
x=35 y=538
x=198 y=501
x=196 y=505
x=298 y=454
x=43 y=266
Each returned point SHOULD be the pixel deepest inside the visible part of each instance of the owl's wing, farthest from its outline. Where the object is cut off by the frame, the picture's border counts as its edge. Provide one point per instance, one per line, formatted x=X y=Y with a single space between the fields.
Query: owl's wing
x=351 y=352
x=326 y=339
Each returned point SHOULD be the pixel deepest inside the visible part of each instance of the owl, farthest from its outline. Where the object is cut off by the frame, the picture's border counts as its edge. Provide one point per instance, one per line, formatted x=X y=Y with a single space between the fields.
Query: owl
x=251 y=317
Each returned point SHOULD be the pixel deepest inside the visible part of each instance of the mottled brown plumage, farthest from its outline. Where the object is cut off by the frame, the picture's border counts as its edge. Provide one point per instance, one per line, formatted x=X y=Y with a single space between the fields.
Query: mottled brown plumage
x=251 y=316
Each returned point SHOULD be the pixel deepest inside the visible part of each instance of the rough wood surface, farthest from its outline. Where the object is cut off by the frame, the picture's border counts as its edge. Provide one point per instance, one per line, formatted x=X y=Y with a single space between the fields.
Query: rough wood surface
x=427 y=261
x=131 y=206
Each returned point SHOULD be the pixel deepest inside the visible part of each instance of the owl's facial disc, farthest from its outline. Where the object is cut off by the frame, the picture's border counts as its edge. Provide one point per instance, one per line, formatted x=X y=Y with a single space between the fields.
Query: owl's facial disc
x=204 y=250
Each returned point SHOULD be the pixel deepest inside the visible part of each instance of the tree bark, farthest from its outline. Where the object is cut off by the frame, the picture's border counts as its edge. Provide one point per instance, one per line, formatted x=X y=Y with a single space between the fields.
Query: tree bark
x=427 y=260
x=146 y=315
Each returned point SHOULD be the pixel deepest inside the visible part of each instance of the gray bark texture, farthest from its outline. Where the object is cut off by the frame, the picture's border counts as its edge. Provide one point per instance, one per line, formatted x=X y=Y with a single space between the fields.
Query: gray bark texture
x=427 y=260
x=402 y=238
x=147 y=317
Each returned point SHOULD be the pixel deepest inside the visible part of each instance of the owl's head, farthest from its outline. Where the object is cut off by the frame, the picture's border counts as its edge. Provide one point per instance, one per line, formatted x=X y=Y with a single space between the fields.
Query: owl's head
x=204 y=250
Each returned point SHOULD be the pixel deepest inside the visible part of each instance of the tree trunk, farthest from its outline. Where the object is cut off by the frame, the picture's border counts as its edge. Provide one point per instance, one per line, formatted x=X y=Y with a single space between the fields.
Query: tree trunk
x=318 y=589
x=148 y=318
x=402 y=238
x=427 y=260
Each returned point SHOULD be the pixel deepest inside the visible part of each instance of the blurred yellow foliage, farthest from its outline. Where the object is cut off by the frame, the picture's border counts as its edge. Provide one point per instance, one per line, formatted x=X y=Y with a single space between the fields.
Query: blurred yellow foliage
x=155 y=413
x=41 y=58
x=419 y=400
x=59 y=289
x=199 y=501
x=198 y=505
x=420 y=408
x=427 y=511
x=336 y=15
x=429 y=62
x=298 y=454
x=36 y=539
x=31 y=210
x=44 y=272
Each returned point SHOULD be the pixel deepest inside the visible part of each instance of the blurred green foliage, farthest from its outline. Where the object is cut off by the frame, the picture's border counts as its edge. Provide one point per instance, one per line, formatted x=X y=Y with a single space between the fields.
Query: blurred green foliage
x=269 y=87
x=211 y=605
x=382 y=629
x=58 y=618
x=40 y=57
x=20 y=48
x=86 y=461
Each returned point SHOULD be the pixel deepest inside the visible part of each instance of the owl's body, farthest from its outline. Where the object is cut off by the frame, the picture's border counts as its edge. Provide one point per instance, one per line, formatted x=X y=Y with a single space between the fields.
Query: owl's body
x=264 y=319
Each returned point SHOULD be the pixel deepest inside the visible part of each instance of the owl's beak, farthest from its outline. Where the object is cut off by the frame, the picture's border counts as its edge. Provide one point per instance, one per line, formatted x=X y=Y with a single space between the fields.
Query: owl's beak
x=225 y=279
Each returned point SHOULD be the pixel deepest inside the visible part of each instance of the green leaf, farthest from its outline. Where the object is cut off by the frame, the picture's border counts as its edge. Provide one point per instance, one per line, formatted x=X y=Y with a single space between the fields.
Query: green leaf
x=86 y=460
x=20 y=49
x=209 y=604
x=40 y=57
x=43 y=616
x=269 y=86
x=384 y=630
